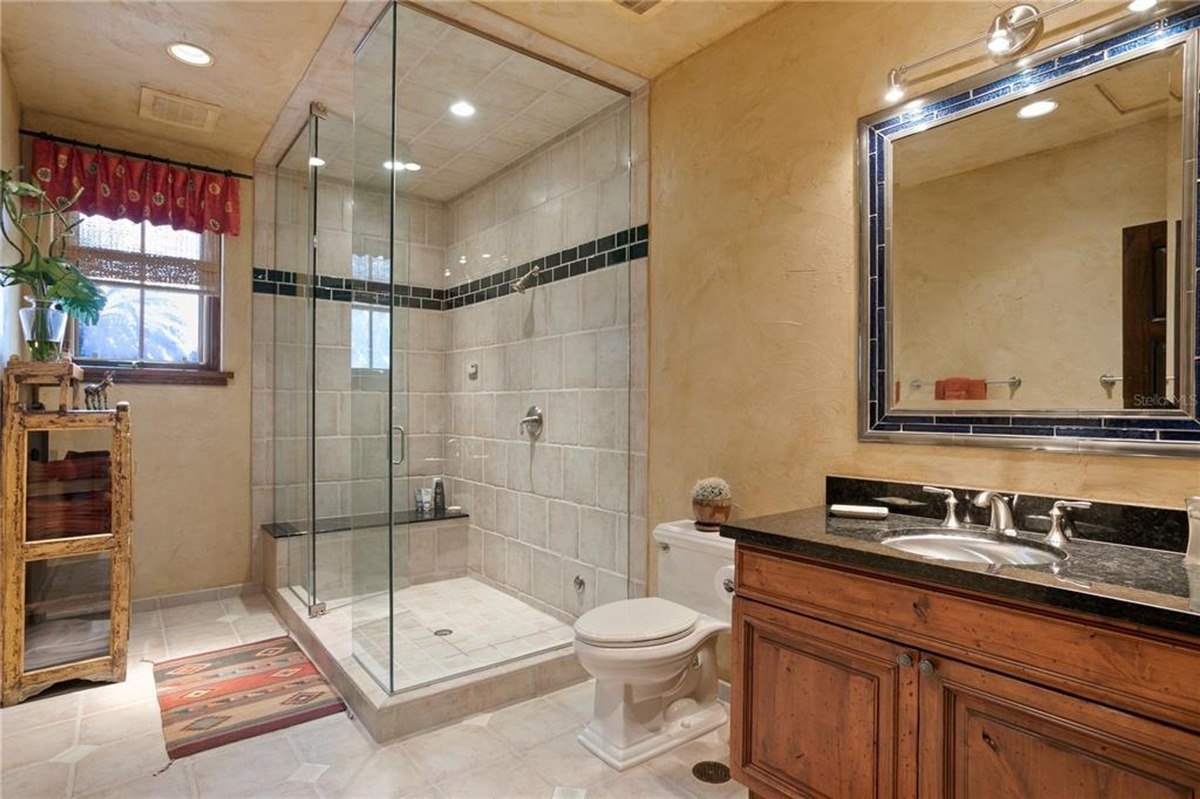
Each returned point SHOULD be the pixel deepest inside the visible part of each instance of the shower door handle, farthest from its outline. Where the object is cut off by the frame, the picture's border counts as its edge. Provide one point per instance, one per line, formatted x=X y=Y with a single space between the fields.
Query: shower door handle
x=399 y=428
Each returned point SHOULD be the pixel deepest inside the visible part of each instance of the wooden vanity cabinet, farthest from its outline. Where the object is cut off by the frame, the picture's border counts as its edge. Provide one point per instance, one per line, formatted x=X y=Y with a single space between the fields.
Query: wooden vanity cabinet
x=823 y=709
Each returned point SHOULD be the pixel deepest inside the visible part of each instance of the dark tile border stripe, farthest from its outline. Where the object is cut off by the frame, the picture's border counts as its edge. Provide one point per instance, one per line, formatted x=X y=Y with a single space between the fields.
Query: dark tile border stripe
x=589 y=256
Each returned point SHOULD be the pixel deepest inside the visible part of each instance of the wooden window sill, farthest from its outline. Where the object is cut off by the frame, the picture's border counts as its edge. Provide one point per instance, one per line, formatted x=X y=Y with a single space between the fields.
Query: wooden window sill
x=162 y=376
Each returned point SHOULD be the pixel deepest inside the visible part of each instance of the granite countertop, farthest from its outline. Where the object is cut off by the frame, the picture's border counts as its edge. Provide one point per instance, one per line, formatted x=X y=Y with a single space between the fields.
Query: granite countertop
x=1131 y=584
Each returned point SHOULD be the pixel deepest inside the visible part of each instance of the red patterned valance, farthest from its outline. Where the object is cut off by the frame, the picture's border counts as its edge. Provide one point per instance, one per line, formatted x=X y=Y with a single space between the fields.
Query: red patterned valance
x=123 y=187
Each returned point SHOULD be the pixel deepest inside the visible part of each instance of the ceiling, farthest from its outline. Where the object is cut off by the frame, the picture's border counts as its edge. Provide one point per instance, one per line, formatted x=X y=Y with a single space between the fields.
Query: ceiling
x=261 y=51
x=521 y=104
x=1145 y=89
x=644 y=44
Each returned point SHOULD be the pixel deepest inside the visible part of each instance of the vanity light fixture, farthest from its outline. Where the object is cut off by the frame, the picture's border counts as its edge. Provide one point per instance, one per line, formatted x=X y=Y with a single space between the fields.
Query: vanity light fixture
x=462 y=109
x=895 y=89
x=1038 y=108
x=1138 y=6
x=1014 y=30
x=190 y=54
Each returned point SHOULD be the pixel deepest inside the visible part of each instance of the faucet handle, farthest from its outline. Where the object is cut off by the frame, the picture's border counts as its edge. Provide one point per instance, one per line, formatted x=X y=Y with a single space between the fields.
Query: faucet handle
x=951 y=519
x=1062 y=529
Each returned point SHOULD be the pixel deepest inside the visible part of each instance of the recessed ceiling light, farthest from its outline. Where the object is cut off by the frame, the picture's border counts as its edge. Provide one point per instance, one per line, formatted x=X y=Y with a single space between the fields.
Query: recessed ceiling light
x=1038 y=108
x=190 y=54
x=413 y=166
x=462 y=109
x=315 y=161
x=1142 y=5
x=398 y=166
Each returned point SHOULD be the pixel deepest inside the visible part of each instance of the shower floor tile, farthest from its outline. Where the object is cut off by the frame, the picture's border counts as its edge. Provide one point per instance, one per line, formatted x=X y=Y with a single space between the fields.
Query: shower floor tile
x=487 y=627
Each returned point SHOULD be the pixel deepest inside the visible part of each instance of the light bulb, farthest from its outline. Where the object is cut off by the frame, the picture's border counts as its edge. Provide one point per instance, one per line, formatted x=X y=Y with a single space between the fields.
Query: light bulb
x=316 y=161
x=999 y=42
x=1138 y=6
x=895 y=90
x=412 y=166
x=462 y=109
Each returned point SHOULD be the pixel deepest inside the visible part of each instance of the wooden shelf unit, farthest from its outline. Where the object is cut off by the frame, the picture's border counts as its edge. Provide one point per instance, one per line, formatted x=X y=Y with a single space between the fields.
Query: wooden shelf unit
x=66 y=577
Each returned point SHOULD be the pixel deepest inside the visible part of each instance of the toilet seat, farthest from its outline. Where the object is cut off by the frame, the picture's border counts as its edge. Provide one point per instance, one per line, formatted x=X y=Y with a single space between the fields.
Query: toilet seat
x=647 y=621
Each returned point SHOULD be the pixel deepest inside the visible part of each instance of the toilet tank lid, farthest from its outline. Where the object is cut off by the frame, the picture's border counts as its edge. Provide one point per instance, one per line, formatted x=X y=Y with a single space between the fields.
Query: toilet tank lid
x=645 y=620
x=683 y=533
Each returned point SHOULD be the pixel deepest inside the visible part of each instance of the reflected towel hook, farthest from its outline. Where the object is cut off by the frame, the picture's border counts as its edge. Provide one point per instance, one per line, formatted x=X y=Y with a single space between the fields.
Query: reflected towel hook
x=1109 y=380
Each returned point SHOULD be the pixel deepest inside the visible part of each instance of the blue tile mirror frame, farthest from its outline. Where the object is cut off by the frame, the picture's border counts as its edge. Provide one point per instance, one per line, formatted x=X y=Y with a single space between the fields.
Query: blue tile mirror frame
x=884 y=413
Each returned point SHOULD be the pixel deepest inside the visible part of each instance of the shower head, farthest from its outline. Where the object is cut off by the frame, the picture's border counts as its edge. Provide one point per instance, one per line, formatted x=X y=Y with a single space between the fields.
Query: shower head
x=520 y=284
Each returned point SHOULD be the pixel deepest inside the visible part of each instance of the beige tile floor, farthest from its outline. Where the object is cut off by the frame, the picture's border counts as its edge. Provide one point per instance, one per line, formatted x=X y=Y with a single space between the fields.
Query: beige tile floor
x=106 y=741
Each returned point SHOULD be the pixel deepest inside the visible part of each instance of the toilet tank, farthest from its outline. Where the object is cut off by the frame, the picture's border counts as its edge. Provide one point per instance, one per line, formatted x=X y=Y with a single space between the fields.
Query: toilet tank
x=693 y=567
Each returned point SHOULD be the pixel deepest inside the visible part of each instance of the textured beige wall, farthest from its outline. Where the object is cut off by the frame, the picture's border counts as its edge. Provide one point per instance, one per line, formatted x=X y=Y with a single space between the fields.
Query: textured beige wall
x=753 y=269
x=10 y=156
x=990 y=264
x=191 y=445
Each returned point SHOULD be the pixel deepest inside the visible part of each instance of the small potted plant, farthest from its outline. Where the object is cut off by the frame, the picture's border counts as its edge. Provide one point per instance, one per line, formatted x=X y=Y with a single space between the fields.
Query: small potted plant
x=37 y=228
x=712 y=500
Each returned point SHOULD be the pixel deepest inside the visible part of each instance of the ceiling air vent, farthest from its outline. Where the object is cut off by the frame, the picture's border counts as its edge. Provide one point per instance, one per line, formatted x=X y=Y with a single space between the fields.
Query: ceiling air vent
x=638 y=6
x=174 y=109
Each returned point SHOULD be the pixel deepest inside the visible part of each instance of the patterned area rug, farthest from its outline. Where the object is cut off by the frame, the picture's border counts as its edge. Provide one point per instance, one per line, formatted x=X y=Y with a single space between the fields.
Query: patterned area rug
x=220 y=697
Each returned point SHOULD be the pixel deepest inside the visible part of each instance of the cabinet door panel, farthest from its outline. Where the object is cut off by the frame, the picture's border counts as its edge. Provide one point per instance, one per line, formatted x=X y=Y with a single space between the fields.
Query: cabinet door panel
x=819 y=710
x=985 y=736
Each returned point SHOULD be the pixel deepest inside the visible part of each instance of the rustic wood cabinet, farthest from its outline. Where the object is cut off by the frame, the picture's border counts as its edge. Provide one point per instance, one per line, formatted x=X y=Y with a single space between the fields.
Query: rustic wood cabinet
x=65 y=538
x=833 y=699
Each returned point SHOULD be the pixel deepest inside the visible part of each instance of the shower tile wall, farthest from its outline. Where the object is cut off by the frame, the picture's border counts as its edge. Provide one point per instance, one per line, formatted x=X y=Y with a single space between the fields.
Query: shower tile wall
x=540 y=514
x=350 y=421
x=545 y=512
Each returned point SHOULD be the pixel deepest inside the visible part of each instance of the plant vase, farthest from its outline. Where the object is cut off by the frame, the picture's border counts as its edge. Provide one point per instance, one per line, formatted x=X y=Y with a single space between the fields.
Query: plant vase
x=44 y=324
x=711 y=513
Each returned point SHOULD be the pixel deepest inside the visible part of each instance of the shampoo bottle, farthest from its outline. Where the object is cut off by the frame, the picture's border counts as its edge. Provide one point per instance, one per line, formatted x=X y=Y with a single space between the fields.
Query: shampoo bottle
x=439 y=496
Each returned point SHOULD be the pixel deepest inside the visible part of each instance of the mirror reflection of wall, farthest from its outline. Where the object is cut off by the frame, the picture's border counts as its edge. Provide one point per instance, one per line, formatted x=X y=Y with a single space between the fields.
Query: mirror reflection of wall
x=1037 y=239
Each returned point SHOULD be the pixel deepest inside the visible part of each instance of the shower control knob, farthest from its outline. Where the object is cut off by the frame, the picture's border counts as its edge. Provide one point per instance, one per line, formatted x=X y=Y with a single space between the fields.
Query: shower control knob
x=579 y=584
x=727 y=583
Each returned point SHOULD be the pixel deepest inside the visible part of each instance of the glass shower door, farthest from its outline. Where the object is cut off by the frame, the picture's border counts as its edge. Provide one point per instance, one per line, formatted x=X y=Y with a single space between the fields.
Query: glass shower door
x=379 y=333
x=295 y=218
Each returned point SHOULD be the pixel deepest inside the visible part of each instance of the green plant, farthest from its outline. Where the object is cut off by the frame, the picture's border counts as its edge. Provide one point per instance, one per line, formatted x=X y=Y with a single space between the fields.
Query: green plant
x=711 y=489
x=41 y=230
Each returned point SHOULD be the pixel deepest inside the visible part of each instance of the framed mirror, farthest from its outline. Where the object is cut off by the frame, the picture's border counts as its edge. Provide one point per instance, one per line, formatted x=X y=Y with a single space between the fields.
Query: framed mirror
x=1028 y=257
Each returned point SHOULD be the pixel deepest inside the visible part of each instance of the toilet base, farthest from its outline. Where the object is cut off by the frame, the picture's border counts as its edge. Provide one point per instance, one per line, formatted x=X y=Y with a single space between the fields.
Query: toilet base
x=704 y=719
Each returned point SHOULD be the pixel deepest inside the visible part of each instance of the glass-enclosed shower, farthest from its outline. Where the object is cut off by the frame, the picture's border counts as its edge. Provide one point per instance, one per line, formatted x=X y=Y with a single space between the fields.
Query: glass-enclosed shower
x=453 y=302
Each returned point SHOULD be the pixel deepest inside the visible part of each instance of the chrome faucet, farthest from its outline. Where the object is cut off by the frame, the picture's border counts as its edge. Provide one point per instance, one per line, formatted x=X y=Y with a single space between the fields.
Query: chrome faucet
x=1001 y=521
x=1062 y=528
x=951 y=519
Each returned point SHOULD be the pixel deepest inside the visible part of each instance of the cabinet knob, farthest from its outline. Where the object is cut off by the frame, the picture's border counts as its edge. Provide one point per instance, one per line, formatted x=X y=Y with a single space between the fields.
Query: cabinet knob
x=904 y=659
x=926 y=666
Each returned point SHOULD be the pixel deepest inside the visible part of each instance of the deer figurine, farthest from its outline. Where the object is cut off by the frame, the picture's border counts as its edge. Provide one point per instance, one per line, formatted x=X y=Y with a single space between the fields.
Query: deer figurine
x=95 y=395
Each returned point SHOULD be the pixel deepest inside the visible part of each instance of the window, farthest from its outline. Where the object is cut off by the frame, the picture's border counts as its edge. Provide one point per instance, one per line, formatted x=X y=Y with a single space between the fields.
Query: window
x=163 y=290
x=370 y=337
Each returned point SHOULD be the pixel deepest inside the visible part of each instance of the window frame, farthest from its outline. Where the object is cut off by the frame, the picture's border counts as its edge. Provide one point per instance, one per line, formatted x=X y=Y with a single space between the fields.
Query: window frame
x=206 y=371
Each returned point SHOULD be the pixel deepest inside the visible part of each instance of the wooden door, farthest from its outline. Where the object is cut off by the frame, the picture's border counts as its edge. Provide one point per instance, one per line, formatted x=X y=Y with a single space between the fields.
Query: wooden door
x=820 y=711
x=986 y=736
x=1144 y=311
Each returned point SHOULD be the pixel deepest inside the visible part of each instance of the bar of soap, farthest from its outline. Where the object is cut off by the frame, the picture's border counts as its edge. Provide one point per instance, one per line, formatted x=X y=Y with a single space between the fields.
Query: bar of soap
x=858 y=511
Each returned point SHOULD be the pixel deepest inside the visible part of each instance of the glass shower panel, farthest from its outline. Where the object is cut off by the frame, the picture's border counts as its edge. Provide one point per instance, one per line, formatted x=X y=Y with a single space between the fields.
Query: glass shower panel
x=378 y=327
x=295 y=210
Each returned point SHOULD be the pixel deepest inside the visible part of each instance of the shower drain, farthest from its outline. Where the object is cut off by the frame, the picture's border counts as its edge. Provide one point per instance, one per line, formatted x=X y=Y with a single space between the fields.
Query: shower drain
x=711 y=771
x=442 y=633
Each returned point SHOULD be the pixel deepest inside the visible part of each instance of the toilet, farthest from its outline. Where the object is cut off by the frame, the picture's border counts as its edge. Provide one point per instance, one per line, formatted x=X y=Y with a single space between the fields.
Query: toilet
x=655 y=658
